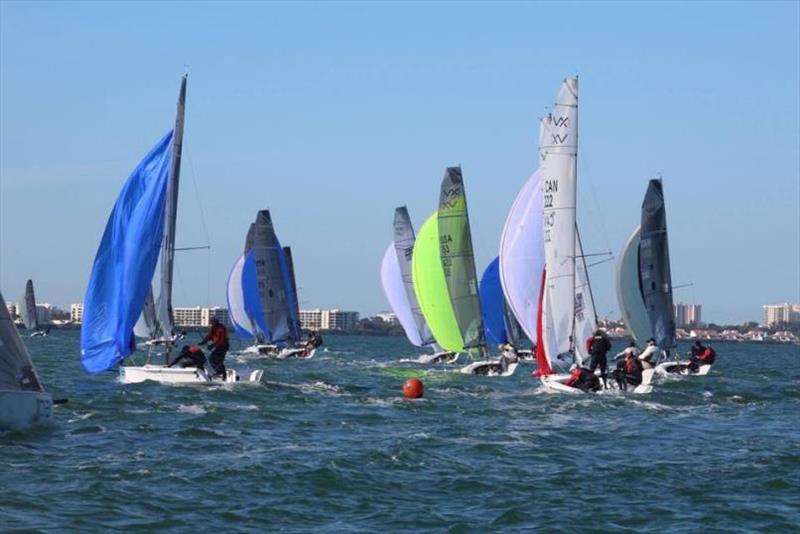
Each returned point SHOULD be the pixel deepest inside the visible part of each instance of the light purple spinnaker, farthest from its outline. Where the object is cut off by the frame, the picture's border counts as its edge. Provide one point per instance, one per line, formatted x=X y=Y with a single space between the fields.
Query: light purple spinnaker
x=394 y=288
x=522 y=255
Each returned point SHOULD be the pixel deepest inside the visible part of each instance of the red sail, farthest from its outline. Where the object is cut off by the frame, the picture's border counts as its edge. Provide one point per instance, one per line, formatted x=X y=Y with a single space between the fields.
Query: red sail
x=543 y=365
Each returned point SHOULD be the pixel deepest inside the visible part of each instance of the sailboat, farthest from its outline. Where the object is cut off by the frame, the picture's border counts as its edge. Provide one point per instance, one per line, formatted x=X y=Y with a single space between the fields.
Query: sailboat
x=28 y=312
x=566 y=311
x=443 y=272
x=262 y=280
x=140 y=228
x=398 y=286
x=23 y=400
x=644 y=284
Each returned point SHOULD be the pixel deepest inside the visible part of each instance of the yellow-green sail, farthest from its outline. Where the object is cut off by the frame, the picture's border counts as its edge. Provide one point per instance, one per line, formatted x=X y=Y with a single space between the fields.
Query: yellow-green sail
x=430 y=287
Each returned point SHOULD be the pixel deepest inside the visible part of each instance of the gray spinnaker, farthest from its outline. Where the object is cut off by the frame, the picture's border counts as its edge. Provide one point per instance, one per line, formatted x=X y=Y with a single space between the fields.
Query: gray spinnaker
x=458 y=261
x=654 y=269
x=272 y=293
x=404 y=239
x=16 y=368
x=28 y=310
x=163 y=306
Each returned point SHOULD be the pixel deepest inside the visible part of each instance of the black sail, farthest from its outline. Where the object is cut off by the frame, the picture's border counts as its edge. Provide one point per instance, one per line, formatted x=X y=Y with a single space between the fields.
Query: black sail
x=654 y=270
x=272 y=291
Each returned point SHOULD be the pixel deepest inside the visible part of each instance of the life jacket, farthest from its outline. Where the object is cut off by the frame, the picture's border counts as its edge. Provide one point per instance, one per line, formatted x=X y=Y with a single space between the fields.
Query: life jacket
x=574 y=376
x=707 y=356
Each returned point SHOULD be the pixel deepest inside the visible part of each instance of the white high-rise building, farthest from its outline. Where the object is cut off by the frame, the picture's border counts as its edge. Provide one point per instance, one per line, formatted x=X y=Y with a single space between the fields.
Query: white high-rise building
x=76 y=312
x=12 y=310
x=781 y=313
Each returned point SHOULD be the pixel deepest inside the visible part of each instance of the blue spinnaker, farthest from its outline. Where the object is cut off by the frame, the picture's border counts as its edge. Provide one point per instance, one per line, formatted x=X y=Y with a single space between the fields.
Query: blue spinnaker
x=252 y=302
x=492 y=302
x=125 y=262
x=291 y=298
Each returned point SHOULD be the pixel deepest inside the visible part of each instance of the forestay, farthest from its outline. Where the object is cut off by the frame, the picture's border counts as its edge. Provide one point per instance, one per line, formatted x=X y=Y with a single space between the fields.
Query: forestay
x=458 y=262
x=125 y=262
x=654 y=268
x=16 y=368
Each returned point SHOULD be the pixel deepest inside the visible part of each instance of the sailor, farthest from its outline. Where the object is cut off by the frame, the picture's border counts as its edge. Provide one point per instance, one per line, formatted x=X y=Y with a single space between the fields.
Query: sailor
x=217 y=337
x=508 y=355
x=190 y=356
x=581 y=378
x=598 y=349
x=647 y=357
x=701 y=355
x=628 y=371
x=574 y=376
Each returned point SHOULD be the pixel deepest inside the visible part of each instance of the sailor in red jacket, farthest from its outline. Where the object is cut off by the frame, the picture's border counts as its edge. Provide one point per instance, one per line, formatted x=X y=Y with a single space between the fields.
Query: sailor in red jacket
x=218 y=337
x=701 y=355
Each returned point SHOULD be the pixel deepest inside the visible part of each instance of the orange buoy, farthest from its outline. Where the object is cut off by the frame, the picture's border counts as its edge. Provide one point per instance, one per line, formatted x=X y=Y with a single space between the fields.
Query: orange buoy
x=412 y=388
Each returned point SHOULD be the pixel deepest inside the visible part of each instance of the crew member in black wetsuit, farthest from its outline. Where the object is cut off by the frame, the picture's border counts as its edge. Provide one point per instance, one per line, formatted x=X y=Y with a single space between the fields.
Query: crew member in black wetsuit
x=598 y=349
x=190 y=356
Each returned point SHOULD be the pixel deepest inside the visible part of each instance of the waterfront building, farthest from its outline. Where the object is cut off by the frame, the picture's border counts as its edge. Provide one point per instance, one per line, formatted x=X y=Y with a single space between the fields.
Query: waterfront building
x=688 y=314
x=12 y=309
x=76 y=312
x=388 y=317
x=328 y=319
x=781 y=314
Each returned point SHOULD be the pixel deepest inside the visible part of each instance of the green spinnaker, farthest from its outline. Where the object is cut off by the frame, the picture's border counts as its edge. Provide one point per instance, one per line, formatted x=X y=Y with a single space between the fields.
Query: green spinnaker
x=430 y=287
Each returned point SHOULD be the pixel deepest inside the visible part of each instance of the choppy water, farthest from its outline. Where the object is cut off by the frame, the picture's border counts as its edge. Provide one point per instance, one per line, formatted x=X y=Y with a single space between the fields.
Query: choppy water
x=329 y=445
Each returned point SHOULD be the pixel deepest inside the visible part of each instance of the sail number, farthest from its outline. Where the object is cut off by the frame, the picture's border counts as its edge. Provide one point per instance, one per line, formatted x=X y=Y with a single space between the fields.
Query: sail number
x=548 y=201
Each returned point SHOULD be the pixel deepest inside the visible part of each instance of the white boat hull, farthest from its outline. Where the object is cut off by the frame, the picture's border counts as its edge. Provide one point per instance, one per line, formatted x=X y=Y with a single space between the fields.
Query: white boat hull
x=187 y=375
x=21 y=409
x=440 y=357
x=555 y=384
x=680 y=368
x=489 y=368
x=281 y=353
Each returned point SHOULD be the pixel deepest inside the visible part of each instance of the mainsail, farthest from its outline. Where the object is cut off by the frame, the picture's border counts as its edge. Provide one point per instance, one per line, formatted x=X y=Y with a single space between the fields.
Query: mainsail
x=629 y=291
x=125 y=262
x=271 y=277
x=430 y=287
x=522 y=255
x=28 y=310
x=458 y=262
x=404 y=240
x=164 y=303
x=654 y=269
x=558 y=144
x=16 y=368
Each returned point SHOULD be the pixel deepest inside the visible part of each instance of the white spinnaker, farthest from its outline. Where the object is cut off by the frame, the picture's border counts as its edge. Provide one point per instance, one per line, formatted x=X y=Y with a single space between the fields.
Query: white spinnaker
x=558 y=144
x=235 y=293
x=522 y=255
x=394 y=288
x=629 y=292
x=585 y=314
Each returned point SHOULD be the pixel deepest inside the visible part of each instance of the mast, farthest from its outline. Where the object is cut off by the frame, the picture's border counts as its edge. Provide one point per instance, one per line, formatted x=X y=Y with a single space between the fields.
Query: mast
x=164 y=308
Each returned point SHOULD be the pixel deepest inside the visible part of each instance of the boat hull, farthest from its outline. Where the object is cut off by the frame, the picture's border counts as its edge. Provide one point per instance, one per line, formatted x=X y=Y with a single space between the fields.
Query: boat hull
x=187 y=375
x=680 y=368
x=489 y=368
x=555 y=384
x=22 y=409
x=281 y=353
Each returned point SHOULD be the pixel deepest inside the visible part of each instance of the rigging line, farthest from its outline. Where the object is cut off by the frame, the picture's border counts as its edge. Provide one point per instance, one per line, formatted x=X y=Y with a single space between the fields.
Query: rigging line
x=205 y=228
x=600 y=262
x=690 y=284
x=595 y=204
x=207 y=247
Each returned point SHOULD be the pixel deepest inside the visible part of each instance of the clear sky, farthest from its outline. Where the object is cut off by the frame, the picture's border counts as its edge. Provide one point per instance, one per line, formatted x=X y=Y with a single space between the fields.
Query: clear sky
x=331 y=114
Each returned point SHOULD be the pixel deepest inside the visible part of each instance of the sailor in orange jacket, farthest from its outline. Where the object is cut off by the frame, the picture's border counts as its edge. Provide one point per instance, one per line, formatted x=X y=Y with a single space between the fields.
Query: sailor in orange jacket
x=218 y=337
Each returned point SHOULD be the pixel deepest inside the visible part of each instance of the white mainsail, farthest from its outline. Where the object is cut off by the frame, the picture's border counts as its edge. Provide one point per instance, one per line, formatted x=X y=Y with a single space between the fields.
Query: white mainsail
x=558 y=144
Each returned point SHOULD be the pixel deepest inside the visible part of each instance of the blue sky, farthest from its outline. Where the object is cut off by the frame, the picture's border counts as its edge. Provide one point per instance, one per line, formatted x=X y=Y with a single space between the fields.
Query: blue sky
x=331 y=114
